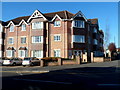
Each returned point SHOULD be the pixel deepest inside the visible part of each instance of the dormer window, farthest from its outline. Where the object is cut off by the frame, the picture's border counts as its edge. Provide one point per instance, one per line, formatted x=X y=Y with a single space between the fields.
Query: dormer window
x=11 y=28
x=79 y=23
x=23 y=27
x=57 y=24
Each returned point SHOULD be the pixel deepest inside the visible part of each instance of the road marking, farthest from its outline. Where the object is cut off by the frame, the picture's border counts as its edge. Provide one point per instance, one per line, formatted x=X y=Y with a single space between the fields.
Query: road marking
x=26 y=71
x=43 y=81
x=108 y=84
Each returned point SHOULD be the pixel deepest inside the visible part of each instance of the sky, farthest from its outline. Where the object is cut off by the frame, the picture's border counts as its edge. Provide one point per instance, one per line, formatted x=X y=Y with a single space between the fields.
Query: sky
x=106 y=12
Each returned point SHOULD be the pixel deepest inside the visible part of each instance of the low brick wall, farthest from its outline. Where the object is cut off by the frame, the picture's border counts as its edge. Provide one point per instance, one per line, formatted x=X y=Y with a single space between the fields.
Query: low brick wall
x=98 y=59
x=66 y=62
x=52 y=64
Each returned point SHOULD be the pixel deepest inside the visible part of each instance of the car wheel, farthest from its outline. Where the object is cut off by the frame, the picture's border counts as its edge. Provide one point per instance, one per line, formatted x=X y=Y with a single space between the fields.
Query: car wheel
x=14 y=64
x=24 y=65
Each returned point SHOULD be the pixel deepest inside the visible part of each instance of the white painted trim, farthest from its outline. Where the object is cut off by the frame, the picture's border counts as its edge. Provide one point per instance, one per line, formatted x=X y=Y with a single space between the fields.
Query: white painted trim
x=11 y=22
x=55 y=17
x=36 y=17
x=57 y=35
x=81 y=15
x=21 y=22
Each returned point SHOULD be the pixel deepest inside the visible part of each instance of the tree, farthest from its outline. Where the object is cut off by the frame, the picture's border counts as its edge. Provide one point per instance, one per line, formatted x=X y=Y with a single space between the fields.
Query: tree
x=107 y=35
x=112 y=47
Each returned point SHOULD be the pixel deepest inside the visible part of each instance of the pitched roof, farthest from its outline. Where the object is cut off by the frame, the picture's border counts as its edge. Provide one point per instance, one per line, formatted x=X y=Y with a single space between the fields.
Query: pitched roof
x=3 y=23
x=17 y=20
x=93 y=21
x=62 y=14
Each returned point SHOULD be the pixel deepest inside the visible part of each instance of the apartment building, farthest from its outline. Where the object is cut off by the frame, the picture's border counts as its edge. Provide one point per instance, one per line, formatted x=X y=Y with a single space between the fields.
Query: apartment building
x=57 y=34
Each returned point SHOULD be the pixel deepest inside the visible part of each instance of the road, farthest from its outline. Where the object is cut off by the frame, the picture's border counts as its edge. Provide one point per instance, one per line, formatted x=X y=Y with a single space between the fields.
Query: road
x=92 y=76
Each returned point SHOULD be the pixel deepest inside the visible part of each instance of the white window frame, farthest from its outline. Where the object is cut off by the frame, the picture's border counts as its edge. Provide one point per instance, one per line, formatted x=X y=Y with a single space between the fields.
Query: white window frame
x=57 y=53
x=37 y=25
x=21 y=39
x=56 y=24
x=23 y=27
x=1 y=41
x=1 y=28
x=78 y=23
x=11 y=41
x=11 y=28
x=57 y=37
x=95 y=41
x=0 y=53
x=37 y=53
x=10 y=53
x=22 y=53
x=34 y=39
x=82 y=38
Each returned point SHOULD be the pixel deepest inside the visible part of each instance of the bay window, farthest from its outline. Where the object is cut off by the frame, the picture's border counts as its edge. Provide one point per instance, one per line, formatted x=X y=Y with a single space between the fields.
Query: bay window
x=37 y=53
x=10 y=53
x=56 y=53
x=37 y=25
x=79 y=23
x=37 y=39
x=78 y=38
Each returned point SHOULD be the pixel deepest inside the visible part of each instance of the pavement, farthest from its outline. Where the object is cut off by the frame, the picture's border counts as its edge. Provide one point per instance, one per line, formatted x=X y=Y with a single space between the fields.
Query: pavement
x=91 y=76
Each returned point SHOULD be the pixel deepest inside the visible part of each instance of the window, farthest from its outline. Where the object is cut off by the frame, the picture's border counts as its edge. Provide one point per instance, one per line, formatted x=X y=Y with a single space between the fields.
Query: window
x=79 y=24
x=37 y=25
x=57 y=38
x=37 y=39
x=56 y=53
x=22 y=53
x=23 y=40
x=11 y=28
x=57 y=23
x=78 y=38
x=11 y=40
x=0 y=28
x=10 y=53
x=37 y=53
x=95 y=41
x=0 y=41
x=0 y=53
x=95 y=30
x=23 y=27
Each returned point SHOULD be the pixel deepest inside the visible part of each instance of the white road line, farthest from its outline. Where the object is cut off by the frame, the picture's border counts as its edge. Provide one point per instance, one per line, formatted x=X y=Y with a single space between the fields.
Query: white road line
x=43 y=81
x=108 y=84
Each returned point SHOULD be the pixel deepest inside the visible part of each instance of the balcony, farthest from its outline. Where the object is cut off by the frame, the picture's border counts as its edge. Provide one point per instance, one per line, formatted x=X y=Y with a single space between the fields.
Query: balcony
x=95 y=42
x=78 y=45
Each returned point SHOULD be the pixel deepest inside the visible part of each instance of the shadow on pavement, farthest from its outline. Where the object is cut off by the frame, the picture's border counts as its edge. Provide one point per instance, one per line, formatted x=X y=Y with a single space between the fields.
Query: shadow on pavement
x=84 y=78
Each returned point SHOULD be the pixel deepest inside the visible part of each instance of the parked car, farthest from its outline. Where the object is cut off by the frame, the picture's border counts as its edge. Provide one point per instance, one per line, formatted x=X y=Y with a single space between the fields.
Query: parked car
x=12 y=61
x=1 y=60
x=30 y=61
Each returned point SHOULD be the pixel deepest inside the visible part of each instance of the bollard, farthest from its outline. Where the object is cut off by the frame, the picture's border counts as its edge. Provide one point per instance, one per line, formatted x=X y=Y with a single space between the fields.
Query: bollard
x=59 y=61
x=42 y=63
x=78 y=60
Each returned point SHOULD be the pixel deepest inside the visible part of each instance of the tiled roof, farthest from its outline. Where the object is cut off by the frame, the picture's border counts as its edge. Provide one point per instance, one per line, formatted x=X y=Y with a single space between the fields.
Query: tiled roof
x=17 y=20
x=63 y=15
x=49 y=16
x=3 y=23
x=93 y=21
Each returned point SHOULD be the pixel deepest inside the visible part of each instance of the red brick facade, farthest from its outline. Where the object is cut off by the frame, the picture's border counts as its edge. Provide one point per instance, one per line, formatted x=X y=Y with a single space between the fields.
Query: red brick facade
x=66 y=32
